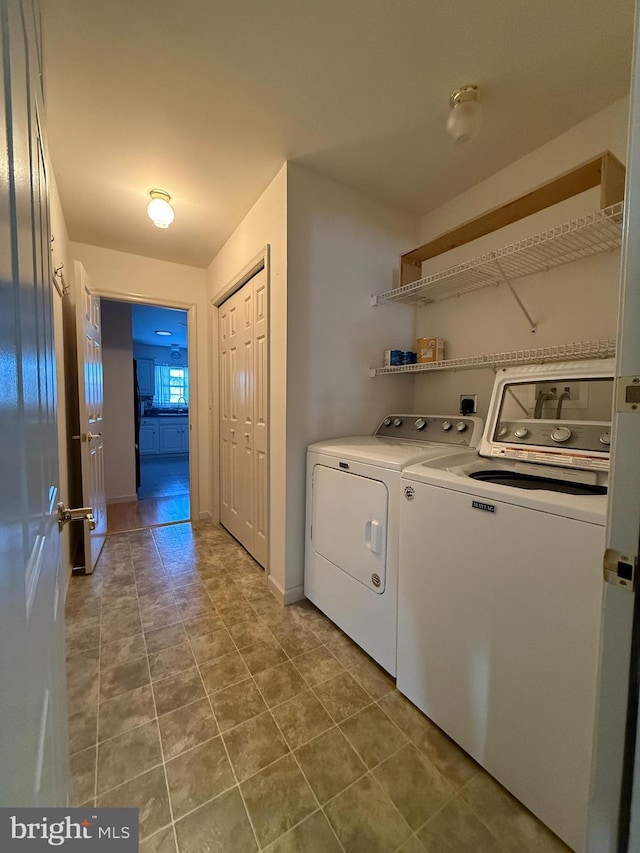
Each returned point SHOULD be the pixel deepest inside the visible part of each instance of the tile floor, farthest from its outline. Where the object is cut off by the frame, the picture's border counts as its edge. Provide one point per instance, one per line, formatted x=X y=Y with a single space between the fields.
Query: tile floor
x=237 y=725
x=163 y=476
x=163 y=496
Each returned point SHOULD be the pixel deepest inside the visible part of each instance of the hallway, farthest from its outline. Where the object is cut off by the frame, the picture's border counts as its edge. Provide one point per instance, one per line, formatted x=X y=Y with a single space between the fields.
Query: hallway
x=163 y=496
x=235 y=724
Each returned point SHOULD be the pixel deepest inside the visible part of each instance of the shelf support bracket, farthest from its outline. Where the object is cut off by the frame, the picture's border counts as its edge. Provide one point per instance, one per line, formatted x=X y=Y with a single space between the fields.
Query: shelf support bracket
x=503 y=276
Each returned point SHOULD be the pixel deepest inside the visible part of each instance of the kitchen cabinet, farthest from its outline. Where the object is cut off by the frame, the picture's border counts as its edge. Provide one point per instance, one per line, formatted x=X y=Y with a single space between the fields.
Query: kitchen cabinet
x=146 y=376
x=164 y=436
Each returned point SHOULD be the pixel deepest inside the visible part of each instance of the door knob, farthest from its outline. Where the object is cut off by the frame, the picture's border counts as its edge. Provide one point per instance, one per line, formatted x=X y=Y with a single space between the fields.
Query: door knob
x=87 y=436
x=83 y=513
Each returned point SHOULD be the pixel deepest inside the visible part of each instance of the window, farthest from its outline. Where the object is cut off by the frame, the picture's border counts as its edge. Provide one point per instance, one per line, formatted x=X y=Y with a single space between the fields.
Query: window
x=172 y=385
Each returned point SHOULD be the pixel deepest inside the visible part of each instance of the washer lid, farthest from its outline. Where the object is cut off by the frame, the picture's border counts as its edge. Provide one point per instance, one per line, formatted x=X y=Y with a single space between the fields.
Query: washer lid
x=384 y=452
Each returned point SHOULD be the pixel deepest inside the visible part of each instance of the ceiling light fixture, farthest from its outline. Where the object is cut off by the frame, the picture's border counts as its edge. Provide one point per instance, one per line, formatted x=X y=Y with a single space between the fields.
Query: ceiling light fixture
x=465 y=117
x=164 y=333
x=159 y=210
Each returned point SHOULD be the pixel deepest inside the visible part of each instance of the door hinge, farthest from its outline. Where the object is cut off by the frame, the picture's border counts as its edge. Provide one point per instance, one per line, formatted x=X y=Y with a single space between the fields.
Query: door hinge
x=627 y=394
x=620 y=569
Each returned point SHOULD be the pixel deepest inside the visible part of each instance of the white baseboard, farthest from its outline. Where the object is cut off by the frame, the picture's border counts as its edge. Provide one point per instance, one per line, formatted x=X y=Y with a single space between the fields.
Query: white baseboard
x=205 y=516
x=285 y=596
x=122 y=499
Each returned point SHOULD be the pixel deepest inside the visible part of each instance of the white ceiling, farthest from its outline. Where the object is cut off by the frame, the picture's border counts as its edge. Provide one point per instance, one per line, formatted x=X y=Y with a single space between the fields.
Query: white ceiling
x=207 y=99
x=147 y=319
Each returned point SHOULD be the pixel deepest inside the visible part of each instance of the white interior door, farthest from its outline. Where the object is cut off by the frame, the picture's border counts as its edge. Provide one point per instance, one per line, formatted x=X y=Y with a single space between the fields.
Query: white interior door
x=33 y=727
x=243 y=359
x=90 y=399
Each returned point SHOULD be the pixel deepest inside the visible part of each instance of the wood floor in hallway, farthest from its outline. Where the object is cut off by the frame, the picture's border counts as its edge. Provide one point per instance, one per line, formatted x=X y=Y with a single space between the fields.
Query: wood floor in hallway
x=148 y=512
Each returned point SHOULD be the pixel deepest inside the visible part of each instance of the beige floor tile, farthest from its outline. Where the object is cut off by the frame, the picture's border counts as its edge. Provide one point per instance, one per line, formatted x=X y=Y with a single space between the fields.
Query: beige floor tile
x=160 y=617
x=453 y=763
x=366 y=821
x=161 y=842
x=201 y=625
x=254 y=744
x=413 y=845
x=456 y=828
x=373 y=678
x=170 y=661
x=313 y=835
x=342 y=696
x=83 y=775
x=277 y=798
x=221 y=826
x=373 y=735
x=347 y=652
x=198 y=775
x=187 y=727
x=148 y=793
x=118 y=626
x=507 y=819
x=237 y=704
x=318 y=665
x=413 y=784
x=153 y=600
x=297 y=640
x=223 y=672
x=330 y=764
x=238 y=613
x=302 y=718
x=195 y=609
x=212 y=646
x=124 y=677
x=127 y=755
x=165 y=638
x=178 y=690
x=83 y=728
x=405 y=715
x=249 y=633
x=125 y=712
x=280 y=683
x=121 y=651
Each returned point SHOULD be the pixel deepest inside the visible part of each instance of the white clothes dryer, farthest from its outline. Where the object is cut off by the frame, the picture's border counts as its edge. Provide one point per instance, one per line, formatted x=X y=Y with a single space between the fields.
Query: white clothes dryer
x=353 y=496
x=501 y=587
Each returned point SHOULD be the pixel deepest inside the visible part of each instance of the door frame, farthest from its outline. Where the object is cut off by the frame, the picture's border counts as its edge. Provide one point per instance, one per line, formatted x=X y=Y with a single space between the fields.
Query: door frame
x=260 y=261
x=192 y=363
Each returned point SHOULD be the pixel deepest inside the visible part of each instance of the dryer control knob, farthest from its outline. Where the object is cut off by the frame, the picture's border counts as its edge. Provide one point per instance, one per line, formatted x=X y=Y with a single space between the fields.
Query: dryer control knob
x=461 y=426
x=521 y=432
x=561 y=434
x=420 y=423
x=397 y=422
x=502 y=430
x=446 y=426
x=386 y=422
x=605 y=439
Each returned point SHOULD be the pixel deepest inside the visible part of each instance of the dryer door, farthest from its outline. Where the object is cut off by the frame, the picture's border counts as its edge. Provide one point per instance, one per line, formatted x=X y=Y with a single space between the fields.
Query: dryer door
x=349 y=524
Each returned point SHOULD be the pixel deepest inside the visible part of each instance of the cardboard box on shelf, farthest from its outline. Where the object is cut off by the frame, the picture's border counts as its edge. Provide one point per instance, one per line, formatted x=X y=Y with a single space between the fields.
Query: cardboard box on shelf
x=429 y=349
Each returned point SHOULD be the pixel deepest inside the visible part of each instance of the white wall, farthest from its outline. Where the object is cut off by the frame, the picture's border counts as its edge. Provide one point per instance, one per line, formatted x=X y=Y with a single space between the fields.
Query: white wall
x=342 y=247
x=118 y=275
x=119 y=423
x=265 y=224
x=575 y=302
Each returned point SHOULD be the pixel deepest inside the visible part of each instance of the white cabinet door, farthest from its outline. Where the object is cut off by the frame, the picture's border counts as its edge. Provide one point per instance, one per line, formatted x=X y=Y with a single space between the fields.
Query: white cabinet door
x=184 y=439
x=148 y=442
x=146 y=376
x=170 y=438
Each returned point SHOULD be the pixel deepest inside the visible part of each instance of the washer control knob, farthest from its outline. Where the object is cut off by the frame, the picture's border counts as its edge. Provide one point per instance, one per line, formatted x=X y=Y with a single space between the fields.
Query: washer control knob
x=502 y=430
x=605 y=439
x=446 y=426
x=561 y=434
x=521 y=432
x=420 y=423
x=461 y=426
x=397 y=422
x=386 y=422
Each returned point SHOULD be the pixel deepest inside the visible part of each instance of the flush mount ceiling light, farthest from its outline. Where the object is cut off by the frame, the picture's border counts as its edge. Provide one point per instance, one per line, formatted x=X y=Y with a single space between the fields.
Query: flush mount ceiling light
x=159 y=210
x=465 y=117
x=164 y=333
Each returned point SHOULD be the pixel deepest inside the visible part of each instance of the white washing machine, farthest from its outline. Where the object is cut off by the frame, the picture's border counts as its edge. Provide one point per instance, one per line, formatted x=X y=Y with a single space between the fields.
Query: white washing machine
x=353 y=496
x=501 y=587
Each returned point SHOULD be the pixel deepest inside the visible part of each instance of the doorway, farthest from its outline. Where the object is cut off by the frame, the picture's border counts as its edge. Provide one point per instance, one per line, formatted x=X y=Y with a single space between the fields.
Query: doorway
x=146 y=390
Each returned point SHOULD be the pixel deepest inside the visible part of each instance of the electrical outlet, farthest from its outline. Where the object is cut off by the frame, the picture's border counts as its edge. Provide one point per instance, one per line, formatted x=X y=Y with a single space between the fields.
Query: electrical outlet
x=468 y=404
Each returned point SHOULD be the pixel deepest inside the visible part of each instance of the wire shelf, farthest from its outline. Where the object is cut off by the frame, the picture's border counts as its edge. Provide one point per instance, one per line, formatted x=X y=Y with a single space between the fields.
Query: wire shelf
x=580 y=238
x=605 y=348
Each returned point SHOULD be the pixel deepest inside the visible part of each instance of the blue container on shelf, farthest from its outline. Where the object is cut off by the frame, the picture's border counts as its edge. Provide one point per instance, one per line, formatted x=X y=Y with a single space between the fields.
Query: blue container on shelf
x=409 y=357
x=393 y=357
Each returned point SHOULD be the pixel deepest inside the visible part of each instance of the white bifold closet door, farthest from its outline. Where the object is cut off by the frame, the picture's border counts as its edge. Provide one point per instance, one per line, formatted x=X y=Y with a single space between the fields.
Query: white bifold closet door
x=243 y=415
